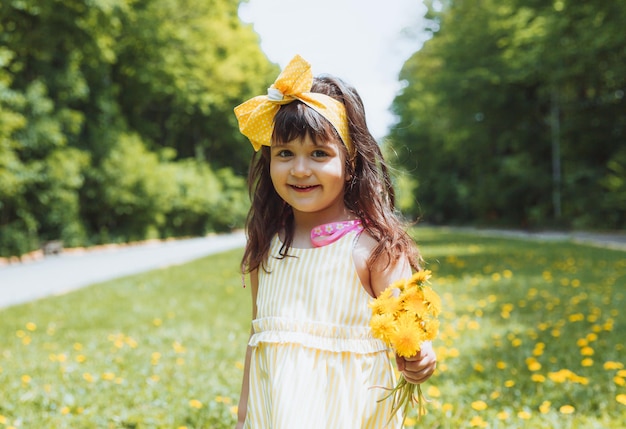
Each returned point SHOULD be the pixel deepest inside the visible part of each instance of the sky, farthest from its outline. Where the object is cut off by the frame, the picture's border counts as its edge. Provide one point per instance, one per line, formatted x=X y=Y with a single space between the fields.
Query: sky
x=364 y=42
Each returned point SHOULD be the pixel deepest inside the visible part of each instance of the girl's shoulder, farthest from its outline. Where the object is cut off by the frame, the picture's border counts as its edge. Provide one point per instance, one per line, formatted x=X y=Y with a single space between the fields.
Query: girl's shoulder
x=363 y=247
x=384 y=272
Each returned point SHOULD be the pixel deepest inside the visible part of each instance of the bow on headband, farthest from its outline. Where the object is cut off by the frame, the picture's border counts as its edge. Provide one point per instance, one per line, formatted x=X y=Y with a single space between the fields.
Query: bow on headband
x=256 y=116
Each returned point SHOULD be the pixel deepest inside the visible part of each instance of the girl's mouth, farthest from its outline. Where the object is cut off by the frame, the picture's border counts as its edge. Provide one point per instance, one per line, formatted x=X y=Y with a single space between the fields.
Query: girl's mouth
x=303 y=188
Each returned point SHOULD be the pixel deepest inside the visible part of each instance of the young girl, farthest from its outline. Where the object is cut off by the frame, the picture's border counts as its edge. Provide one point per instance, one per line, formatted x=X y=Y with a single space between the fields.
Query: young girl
x=323 y=241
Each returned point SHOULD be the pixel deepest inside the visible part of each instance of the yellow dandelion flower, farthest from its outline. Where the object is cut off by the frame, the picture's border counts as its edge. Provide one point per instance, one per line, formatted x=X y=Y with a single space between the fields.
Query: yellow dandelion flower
x=386 y=303
x=587 y=362
x=524 y=415
x=399 y=285
x=502 y=415
x=559 y=376
x=31 y=326
x=194 y=403
x=405 y=338
x=619 y=381
x=586 y=351
x=567 y=409
x=382 y=326
x=413 y=302
x=534 y=366
x=621 y=398
x=580 y=380
x=178 y=347
x=431 y=328
x=447 y=407
x=610 y=365
x=538 y=378
x=421 y=277
x=544 y=408
x=433 y=299
x=478 y=422
x=479 y=405
x=433 y=391
x=108 y=376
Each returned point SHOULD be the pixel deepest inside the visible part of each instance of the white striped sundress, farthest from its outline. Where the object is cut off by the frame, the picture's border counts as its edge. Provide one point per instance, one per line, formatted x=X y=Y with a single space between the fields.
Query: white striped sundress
x=315 y=364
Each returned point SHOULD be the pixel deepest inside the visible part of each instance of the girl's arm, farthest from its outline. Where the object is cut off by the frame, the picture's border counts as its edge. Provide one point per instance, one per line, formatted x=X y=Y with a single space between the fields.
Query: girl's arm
x=245 y=385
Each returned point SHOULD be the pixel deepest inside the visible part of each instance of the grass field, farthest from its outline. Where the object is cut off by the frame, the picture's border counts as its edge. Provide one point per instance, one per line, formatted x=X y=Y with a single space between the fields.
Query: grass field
x=532 y=337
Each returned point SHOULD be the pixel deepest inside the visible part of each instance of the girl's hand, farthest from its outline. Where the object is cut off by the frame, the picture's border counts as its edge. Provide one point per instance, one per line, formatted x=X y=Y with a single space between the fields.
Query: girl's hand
x=419 y=368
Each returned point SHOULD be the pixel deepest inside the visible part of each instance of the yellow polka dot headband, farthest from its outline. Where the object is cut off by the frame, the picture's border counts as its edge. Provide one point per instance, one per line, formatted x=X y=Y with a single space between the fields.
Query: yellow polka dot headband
x=256 y=116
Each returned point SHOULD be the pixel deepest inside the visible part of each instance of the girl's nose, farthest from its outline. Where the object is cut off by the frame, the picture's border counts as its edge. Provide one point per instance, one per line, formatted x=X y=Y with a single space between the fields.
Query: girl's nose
x=300 y=168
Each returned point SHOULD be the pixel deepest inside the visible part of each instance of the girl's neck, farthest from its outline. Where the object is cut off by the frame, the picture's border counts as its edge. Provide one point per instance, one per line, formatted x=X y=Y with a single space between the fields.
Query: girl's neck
x=305 y=222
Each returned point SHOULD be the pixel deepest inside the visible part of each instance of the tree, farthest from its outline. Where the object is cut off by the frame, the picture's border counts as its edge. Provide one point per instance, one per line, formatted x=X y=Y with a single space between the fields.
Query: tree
x=494 y=91
x=103 y=103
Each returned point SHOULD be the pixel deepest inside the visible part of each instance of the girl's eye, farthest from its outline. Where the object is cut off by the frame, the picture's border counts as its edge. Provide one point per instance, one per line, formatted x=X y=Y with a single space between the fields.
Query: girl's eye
x=319 y=154
x=284 y=153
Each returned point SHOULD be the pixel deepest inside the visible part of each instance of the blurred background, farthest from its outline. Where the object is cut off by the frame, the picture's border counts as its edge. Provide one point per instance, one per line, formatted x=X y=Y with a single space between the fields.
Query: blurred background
x=116 y=120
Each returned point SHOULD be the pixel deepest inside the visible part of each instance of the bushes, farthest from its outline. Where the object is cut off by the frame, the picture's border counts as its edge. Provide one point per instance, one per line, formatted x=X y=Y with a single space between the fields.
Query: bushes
x=133 y=194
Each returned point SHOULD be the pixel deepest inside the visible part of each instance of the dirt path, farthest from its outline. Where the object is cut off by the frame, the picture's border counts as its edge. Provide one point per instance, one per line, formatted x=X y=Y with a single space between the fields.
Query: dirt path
x=58 y=274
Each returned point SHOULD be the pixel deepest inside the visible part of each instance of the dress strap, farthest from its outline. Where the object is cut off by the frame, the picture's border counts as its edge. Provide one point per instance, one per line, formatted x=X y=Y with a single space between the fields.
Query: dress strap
x=328 y=233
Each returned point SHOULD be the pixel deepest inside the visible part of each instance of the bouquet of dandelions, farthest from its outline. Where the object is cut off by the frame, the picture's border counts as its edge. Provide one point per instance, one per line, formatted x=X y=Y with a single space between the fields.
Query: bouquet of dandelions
x=404 y=316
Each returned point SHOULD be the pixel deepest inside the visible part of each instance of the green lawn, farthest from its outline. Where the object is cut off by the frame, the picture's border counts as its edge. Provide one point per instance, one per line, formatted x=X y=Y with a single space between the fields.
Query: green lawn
x=532 y=336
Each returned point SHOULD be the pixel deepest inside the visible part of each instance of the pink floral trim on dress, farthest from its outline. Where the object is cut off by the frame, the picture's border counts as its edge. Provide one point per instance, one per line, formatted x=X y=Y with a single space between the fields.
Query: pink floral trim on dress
x=330 y=232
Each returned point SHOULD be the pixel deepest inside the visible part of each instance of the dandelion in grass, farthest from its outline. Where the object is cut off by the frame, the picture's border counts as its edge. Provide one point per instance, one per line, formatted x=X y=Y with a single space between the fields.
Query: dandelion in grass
x=479 y=405
x=194 y=403
x=404 y=316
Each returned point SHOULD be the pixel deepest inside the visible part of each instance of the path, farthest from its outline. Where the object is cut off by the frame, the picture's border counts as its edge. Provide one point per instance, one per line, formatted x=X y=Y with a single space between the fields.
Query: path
x=610 y=240
x=69 y=271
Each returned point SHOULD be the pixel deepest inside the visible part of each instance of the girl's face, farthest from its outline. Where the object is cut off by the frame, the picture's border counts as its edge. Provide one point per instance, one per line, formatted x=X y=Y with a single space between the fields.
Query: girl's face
x=310 y=176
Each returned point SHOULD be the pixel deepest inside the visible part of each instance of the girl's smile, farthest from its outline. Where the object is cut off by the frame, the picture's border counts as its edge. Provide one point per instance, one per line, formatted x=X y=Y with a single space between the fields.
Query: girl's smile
x=299 y=188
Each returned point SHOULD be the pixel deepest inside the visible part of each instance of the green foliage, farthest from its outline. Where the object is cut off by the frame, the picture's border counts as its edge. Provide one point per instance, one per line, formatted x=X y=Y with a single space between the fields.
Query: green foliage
x=494 y=91
x=112 y=110
x=148 y=196
x=165 y=349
